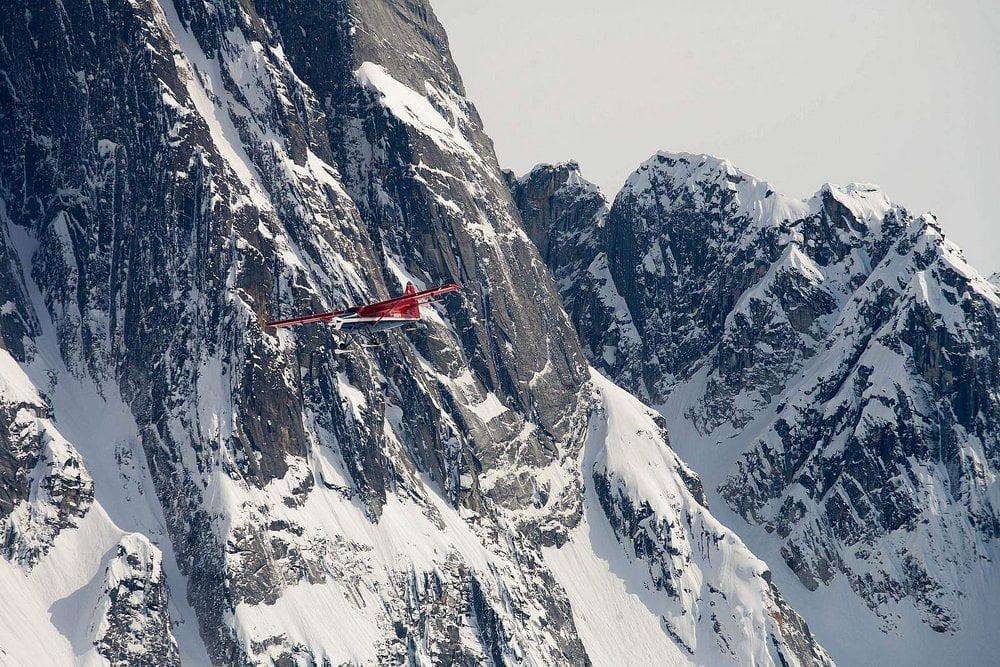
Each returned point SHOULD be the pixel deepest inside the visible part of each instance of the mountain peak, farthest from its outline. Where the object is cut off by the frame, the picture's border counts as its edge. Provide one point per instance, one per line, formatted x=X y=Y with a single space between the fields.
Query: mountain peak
x=829 y=363
x=567 y=174
x=688 y=168
x=866 y=201
x=701 y=182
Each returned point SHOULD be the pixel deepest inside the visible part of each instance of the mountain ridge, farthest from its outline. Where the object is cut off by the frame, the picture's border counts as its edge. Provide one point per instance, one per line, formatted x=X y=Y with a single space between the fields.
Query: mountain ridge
x=741 y=292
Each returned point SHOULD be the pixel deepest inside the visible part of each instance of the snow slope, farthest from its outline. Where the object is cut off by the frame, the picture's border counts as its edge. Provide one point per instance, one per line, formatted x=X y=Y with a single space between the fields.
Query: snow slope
x=720 y=605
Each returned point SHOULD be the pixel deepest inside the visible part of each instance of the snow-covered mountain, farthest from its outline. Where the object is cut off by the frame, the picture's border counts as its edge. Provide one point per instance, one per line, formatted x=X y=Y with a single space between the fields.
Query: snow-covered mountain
x=831 y=367
x=178 y=485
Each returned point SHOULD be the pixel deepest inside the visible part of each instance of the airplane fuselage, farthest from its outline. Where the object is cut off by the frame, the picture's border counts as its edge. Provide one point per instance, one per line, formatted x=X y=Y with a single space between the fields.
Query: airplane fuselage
x=373 y=324
x=374 y=317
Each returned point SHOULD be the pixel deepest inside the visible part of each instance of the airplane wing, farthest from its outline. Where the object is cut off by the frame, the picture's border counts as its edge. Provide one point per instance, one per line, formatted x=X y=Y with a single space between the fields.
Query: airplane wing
x=417 y=297
x=381 y=307
x=305 y=319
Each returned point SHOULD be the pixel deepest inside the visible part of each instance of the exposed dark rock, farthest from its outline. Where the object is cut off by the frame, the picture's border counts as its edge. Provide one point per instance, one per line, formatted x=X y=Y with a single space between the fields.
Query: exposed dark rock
x=133 y=624
x=733 y=292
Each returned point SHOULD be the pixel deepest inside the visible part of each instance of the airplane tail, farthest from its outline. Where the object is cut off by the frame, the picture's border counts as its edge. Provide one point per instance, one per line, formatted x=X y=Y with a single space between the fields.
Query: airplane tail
x=411 y=309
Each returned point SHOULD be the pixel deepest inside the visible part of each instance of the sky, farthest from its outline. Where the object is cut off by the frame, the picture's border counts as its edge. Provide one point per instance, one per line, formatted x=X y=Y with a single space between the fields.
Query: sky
x=901 y=93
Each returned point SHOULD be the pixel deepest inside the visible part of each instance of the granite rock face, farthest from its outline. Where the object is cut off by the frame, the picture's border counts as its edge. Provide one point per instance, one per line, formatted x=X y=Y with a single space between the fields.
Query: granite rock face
x=902 y=419
x=566 y=216
x=174 y=173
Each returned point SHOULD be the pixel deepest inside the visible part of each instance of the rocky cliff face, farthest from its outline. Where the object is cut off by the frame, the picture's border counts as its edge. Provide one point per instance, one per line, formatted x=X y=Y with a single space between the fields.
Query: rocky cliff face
x=902 y=419
x=179 y=484
x=566 y=216
x=829 y=365
x=132 y=626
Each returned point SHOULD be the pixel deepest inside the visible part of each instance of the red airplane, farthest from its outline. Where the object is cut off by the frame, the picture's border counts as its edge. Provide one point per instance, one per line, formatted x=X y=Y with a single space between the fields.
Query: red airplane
x=373 y=317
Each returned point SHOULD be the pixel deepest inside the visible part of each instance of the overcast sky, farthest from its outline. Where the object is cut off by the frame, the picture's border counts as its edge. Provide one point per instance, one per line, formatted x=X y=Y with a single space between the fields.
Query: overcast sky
x=902 y=93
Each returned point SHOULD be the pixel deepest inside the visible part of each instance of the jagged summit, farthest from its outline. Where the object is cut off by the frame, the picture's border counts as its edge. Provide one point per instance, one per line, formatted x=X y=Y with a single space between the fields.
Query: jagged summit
x=569 y=166
x=831 y=367
x=567 y=173
x=686 y=167
x=864 y=189
x=696 y=176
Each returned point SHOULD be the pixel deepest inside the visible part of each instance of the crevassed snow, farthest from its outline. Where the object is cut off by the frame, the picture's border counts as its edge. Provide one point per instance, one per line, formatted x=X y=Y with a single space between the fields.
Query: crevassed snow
x=322 y=617
x=616 y=627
